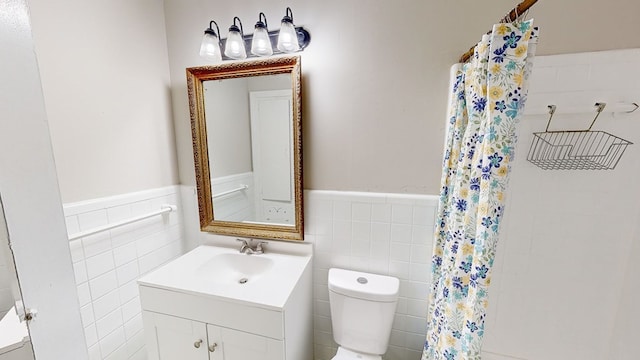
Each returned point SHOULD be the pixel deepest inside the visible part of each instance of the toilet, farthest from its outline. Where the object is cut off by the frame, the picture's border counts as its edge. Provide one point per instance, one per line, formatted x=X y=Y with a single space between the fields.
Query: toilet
x=362 y=310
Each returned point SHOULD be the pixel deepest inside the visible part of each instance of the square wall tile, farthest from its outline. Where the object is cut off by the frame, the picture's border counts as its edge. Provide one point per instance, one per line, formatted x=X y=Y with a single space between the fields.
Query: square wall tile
x=80 y=272
x=111 y=342
x=103 y=284
x=401 y=233
x=133 y=326
x=86 y=313
x=381 y=213
x=342 y=210
x=106 y=304
x=380 y=232
x=100 y=264
x=124 y=254
x=84 y=295
x=92 y=219
x=127 y=272
x=109 y=323
x=73 y=226
x=423 y=215
x=131 y=309
x=361 y=212
x=401 y=214
x=361 y=231
x=96 y=244
x=400 y=252
x=90 y=334
x=77 y=252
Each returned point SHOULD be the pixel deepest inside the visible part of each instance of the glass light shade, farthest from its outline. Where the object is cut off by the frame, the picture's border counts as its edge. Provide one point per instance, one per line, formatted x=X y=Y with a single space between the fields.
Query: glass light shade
x=261 y=44
x=235 y=46
x=210 y=47
x=288 y=38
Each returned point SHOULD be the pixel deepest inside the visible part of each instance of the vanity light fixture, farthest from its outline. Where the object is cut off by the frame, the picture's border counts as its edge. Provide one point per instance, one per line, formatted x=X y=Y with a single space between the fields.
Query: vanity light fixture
x=288 y=39
x=261 y=42
x=234 y=47
x=210 y=47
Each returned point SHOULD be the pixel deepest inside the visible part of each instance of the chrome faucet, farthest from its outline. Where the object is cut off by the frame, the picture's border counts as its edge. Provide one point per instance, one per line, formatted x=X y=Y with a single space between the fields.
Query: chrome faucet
x=246 y=247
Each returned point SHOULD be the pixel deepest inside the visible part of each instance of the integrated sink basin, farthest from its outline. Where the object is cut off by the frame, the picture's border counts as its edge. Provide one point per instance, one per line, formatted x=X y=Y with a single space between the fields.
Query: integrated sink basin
x=264 y=280
x=235 y=268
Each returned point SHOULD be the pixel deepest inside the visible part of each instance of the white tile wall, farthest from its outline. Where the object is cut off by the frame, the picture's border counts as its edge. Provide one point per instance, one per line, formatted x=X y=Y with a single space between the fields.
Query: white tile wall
x=389 y=234
x=566 y=235
x=107 y=266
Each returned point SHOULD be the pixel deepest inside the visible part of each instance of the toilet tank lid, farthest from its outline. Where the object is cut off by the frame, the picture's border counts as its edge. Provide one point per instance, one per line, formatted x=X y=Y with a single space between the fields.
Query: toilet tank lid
x=364 y=285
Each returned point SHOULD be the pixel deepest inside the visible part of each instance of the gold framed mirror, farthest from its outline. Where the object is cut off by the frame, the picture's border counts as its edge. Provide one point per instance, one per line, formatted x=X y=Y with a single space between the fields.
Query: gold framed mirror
x=247 y=147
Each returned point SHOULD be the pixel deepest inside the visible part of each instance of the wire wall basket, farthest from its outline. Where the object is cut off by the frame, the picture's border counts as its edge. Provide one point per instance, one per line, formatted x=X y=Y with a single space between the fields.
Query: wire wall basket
x=576 y=149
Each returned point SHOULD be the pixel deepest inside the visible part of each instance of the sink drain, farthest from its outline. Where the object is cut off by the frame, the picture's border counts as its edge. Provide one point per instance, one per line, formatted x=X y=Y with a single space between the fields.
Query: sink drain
x=243 y=280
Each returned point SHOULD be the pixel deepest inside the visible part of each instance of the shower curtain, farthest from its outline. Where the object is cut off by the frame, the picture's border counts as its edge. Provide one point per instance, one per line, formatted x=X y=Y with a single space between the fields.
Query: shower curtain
x=487 y=99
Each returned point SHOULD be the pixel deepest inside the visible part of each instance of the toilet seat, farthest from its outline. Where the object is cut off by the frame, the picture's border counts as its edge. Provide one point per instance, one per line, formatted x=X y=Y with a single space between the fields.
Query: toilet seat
x=344 y=354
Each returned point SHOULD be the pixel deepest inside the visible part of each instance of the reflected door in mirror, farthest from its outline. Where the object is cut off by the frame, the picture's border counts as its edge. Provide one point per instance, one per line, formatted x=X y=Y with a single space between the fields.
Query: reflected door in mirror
x=272 y=161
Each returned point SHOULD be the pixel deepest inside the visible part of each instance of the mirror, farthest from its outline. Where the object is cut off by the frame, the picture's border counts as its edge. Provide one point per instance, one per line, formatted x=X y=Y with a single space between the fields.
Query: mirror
x=247 y=145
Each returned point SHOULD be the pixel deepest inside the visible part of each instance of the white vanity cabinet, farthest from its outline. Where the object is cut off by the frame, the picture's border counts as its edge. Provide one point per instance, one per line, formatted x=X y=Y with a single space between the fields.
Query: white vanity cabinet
x=170 y=337
x=193 y=313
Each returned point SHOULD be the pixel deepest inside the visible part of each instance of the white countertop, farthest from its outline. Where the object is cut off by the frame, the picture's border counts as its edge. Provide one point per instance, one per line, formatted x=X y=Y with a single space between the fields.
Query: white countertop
x=192 y=273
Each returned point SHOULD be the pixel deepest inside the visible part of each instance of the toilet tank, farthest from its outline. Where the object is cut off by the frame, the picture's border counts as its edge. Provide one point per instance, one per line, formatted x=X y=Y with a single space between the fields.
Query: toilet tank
x=362 y=309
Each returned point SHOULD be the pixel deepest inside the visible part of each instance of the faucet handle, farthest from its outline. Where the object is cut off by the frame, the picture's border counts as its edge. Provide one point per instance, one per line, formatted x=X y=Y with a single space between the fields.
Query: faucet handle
x=259 y=246
x=243 y=241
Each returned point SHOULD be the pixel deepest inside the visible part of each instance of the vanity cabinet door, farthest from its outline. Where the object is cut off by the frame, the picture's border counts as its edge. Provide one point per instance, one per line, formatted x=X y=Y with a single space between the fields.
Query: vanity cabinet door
x=173 y=338
x=238 y=345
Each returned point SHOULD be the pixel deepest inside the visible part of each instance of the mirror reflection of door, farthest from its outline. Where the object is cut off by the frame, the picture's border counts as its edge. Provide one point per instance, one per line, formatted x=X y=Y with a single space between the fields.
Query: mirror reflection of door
x=249 y=135
x=271 y=129
x=15 y=343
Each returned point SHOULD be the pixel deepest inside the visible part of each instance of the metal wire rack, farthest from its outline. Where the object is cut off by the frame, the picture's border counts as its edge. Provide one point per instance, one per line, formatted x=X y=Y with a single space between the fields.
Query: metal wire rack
x=576 y=149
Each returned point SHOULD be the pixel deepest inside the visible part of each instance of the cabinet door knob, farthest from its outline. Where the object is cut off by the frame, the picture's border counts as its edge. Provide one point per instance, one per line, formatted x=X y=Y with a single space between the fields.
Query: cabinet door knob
x=213 y=347
x=197 y=344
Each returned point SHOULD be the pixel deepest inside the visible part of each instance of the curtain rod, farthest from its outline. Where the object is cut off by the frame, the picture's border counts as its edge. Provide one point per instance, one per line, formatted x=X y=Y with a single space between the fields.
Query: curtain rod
x=513 y=15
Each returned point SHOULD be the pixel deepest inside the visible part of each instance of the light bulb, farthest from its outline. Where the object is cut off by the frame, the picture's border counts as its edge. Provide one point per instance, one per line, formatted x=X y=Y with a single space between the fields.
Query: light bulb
x=261 y=43
x=234 y=47
x=288 y=37
x=210 y=47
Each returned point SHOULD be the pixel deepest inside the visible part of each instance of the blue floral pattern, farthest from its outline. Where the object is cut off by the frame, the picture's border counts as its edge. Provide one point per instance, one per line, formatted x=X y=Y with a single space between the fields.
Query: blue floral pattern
x=488 y=99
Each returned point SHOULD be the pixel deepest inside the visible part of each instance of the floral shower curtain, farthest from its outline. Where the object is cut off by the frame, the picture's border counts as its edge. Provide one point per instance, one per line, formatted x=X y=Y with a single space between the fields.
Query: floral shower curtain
x=488 y=97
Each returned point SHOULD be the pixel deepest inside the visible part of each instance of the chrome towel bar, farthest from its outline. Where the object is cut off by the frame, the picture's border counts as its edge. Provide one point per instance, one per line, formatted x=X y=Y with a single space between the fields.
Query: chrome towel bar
x=164 y=209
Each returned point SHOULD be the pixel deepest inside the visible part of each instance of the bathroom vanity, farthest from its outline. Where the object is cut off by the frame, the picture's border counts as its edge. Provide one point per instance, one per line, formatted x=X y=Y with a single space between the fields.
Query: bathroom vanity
x=218 y=304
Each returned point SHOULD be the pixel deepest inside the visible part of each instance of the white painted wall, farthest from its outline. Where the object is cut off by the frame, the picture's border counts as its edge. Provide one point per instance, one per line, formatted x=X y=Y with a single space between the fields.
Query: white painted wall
x=105 y=77
x=228 y=127
x=31 y=197
x=375 y=75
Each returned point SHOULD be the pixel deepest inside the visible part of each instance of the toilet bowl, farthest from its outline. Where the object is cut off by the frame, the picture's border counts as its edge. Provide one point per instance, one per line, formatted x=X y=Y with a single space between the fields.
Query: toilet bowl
x=362 y=310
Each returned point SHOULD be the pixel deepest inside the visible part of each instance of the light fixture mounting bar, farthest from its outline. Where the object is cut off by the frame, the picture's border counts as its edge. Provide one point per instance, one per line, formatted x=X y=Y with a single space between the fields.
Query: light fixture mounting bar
x=303 y=39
